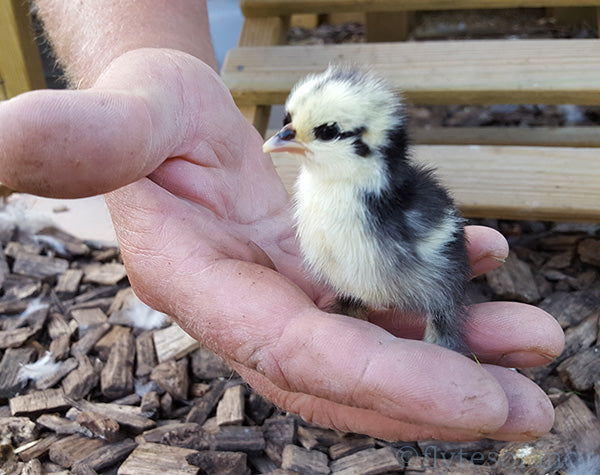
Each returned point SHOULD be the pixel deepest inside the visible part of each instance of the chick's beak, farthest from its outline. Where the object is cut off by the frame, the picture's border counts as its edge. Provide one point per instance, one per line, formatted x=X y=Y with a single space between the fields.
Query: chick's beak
x=285 y=141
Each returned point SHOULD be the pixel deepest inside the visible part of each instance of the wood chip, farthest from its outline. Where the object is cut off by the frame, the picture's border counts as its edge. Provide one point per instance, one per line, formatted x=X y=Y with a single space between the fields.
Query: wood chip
x=17 y=337
x=576 y=423
x=20 y=429
x=132 y=399
x=172 y=343
x=116 y=378
x=136 y=423
x=230 y=410
x=39 y=266
x=60 y=347
x=561 y=242
x=106 y=455
x=263 y=464
x=431 y=466
x=219 y=463
x=304 y=461
x=199 y=389
x=94 y=294
x=204 y=406
x=88 y=317
x=582 y=336
x=206 y=365
x=18 y=288
x=53 y=379
x=80 y=382
x=33 y=467
x=86 y=342
x=122 y=300
x=279 y=432
x=150 y=459
x=597 y=396
x=61 y=425
x=11 y=305
x=228 y=438
x=104 y=274
x=150 y=403
x=145 y=354
x=259 y=408
x=39 y=448
x=310 y=437
x=369 y=462
x=68 y=282
x=570 y=308
x=108 y=254
x=57 y=326
x=581 y=370
x=173 y=378
x=514 y=280
x=99 y=425
x=4 y=269
x=73 y=245
x=547 y=454
x=72 y=449
x=350 y=446
x=170 y=432
x=589 y=251
x=11 y=363
x=37 y=402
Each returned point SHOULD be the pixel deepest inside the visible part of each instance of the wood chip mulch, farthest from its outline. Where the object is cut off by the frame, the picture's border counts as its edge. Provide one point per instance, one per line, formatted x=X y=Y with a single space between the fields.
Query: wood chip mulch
x=115 y=397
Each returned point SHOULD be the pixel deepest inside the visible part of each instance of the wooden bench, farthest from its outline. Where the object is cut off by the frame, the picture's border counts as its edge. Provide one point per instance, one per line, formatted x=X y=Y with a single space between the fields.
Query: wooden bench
x=544 y=173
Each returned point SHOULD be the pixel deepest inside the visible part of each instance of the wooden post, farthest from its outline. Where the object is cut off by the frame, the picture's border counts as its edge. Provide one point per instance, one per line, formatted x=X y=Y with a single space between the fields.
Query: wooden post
x=262 y=32
x=20 y=63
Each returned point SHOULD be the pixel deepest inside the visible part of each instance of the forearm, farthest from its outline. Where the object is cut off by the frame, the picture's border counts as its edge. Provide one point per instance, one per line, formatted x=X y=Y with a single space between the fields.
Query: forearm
x=88 y=34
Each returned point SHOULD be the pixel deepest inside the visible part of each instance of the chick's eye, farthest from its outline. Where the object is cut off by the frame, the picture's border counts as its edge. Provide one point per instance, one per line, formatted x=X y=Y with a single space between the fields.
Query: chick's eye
x=287 y=119
x=327 y=131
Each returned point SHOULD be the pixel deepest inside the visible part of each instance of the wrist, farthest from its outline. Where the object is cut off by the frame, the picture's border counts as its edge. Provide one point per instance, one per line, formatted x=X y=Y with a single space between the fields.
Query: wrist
x=88 y=35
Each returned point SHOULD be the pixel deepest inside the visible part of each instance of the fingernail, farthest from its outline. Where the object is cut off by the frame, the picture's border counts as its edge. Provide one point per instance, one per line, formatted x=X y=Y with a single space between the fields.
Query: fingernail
x=521 y=359
x=480 y=265
x=499 y=259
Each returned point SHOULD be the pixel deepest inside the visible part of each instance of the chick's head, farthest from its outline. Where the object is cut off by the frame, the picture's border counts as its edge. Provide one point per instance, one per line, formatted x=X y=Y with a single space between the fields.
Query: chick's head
x=342 y=115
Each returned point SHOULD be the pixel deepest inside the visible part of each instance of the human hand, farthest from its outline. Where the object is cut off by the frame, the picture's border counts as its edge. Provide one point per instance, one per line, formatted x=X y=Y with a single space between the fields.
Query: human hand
x=205 y=229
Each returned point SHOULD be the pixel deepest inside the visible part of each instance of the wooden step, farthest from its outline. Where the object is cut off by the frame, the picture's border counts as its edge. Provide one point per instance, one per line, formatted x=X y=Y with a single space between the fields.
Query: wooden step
x=279 y=7
x=448 y=72
x=511 y=182
x=580 y=136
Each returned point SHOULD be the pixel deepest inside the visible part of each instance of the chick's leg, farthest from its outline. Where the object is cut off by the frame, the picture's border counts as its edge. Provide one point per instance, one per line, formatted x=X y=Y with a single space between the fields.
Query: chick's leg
x=352 y=307
x=445 y=328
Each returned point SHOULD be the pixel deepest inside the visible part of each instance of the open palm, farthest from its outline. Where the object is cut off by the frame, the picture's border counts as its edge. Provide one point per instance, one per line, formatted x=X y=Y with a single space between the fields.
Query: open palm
x=205 y=229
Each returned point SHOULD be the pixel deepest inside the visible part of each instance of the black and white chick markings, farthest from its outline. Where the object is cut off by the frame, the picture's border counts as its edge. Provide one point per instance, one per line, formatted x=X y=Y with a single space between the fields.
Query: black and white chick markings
x=372 y=224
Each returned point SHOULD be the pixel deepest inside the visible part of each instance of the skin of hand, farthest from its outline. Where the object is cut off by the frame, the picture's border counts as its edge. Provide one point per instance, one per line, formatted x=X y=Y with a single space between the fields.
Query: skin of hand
x=205 y=229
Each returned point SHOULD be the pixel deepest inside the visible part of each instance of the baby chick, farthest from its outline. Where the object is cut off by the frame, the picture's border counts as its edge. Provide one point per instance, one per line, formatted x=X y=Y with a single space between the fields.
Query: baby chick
x=372 y=224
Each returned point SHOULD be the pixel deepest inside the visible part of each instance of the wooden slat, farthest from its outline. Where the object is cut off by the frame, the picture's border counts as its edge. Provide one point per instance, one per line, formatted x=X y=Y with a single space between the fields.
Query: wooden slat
x=587 y=136
x=508 y=182
x=579 y=137
x=279 y=7
x=449 y=72
x=20 y=63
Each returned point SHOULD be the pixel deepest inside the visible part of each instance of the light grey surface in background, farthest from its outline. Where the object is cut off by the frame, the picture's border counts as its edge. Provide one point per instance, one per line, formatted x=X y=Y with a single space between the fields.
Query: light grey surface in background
x=226 y=21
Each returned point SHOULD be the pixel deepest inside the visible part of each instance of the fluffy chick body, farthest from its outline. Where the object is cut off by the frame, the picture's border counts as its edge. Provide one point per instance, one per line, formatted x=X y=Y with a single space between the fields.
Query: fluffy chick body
x=377 y=228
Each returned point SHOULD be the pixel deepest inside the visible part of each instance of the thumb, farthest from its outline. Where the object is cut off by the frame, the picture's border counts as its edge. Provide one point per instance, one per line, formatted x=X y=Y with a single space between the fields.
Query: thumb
x=69 y=144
